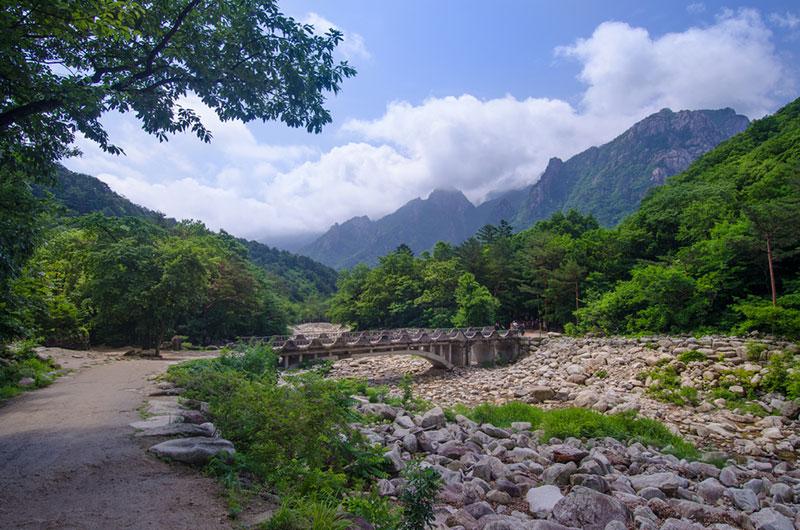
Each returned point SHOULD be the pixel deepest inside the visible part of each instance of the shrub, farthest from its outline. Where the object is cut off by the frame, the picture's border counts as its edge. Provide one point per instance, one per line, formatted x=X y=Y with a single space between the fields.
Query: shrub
x=22 y=361
x=376 y=510
x=418 y=495
x=782 y=319
x=666 y=386
x=406 y=386
x=692 y=356
x=601 y=374
x=755 y=350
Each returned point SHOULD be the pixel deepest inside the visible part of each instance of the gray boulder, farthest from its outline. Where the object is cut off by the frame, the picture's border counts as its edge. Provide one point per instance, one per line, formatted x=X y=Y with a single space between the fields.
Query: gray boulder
x=542 y=499
x=666 y=482
x=195 y=450
x=591 y=510
x=745 y=499
x=433 y=418
x=769 y=519
x=711 y=490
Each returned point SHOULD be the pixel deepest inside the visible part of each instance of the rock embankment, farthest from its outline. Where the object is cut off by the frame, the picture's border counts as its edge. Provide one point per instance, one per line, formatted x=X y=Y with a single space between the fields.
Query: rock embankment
x=609 y=375
x=507 y=479
x=187 y=434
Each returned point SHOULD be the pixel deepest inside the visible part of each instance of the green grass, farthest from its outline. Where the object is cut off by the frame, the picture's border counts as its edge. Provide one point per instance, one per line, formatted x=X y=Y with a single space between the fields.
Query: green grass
x=583 y=423
x=601 y=374
x=666 y=386
x=692 y=356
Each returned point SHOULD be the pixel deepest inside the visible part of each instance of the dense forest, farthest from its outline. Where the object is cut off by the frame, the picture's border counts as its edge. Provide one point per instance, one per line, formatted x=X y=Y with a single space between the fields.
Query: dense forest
x=122 y=273
x=107 y=271
x=717 y=248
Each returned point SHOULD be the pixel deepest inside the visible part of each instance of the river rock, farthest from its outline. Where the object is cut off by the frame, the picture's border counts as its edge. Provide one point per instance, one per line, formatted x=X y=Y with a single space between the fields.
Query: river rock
x=770 y=519
x=590 y=510
x=433 y=418
x=195 y=450
x=542 y=499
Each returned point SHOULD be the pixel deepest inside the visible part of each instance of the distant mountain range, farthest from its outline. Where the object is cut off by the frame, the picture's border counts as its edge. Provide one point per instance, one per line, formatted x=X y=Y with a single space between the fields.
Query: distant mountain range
x=607 y=181
x=297 y=276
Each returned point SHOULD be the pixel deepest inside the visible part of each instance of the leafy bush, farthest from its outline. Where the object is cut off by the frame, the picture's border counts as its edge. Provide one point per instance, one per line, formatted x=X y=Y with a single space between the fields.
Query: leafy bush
x=657 y=299
x=666 y=386
x=692 y=356
x=601 y=374
x=782 y=319
x=418 y=495
x=295 y=437
x=406 y=386
x=21 y=361
x=375 y=509
x=755 y=350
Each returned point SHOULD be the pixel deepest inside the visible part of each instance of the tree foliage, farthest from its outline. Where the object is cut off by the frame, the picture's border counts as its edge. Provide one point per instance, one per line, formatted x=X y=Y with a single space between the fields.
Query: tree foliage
x=709 y=250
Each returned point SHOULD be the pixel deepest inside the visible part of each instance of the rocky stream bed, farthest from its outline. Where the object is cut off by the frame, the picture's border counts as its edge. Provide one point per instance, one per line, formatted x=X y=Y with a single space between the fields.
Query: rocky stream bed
x=508 y=479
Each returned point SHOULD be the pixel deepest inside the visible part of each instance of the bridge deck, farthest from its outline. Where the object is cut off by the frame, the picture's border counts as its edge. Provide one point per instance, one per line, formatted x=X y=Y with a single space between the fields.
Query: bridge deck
x=443 y=347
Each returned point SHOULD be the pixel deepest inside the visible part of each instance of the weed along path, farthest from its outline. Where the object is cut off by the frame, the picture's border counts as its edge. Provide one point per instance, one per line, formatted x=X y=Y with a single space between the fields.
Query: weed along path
x=68 y=458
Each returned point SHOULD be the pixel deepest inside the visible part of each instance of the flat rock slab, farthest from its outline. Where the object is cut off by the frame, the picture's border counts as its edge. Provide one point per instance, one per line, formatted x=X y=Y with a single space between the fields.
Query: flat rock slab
x=156 y=421
x=163 y=406
x=195 y=450
x=179 y=429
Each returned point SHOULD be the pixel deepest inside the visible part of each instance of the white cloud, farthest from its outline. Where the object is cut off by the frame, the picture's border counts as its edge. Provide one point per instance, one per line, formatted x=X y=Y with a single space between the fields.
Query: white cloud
x=787 y=20
x=352 y=45
x=266 y=191
x=731 y=63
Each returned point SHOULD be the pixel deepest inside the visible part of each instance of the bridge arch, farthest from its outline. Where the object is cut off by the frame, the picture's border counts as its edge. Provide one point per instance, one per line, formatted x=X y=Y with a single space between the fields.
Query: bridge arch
x=446 y=348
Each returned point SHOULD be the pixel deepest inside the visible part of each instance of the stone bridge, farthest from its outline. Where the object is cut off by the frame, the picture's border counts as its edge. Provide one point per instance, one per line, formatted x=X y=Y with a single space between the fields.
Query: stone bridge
x=445 y=348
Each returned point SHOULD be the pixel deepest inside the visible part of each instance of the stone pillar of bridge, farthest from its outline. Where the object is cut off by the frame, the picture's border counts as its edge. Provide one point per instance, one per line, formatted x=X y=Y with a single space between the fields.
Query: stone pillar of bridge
x=481 y=352
x=506 y=350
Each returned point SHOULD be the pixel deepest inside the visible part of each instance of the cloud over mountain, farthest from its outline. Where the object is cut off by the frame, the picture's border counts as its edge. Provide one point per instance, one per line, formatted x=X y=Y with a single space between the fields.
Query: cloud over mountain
x=477 y=145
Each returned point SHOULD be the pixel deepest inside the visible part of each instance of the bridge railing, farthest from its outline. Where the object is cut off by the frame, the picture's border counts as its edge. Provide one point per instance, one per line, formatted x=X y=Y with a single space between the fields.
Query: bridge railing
x=350 y=338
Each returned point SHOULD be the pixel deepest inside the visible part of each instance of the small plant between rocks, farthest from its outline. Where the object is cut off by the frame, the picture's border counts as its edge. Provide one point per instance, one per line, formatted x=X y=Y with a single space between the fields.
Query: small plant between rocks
x=22 y=369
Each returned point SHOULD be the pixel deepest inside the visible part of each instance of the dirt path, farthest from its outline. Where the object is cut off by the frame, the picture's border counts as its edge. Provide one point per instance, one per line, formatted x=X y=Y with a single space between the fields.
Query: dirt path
x=68 y=459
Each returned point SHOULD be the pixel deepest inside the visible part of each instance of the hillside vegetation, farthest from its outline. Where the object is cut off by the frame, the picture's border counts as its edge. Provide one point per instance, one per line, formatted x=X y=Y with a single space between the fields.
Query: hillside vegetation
x=695 y=257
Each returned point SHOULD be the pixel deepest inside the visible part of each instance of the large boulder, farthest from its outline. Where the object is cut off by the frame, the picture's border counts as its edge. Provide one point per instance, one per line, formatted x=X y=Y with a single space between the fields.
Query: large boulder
x=666 y=482
x=591 y=510
x=769 y=519
x=542 y=499
x=194 y=450
x=433 y=418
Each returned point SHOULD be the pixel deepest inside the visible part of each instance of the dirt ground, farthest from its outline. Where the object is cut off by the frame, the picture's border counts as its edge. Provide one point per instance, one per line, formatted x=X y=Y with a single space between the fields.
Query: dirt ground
x=68 y=458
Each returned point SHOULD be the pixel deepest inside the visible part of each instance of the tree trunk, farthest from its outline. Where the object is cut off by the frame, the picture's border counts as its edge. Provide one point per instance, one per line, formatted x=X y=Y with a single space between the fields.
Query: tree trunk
x=577 y=296
x=771 y=271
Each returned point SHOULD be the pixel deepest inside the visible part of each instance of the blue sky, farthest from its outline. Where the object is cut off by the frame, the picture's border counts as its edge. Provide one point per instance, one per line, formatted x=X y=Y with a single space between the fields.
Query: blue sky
x=465 y=94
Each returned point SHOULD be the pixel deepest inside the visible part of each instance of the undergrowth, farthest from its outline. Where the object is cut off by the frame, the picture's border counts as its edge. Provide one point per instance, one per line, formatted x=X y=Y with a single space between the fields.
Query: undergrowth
x=20 y=361
x=582 y=423
x=295 y=437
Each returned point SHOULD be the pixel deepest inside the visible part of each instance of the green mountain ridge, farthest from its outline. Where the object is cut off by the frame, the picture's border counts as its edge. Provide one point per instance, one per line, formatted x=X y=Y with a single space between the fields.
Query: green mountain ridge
x=607 y=181
x=716 y=249
x=297 y=277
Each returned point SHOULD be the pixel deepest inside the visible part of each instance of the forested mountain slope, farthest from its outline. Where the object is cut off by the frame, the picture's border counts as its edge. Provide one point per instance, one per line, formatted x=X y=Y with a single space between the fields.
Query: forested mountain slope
x=717 y=248
x=607 y=181
x=298 y=277
x=446 y=215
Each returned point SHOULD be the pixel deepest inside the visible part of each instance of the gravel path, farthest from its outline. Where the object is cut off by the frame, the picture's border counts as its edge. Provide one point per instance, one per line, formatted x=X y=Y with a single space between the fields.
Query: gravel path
x=68 y=459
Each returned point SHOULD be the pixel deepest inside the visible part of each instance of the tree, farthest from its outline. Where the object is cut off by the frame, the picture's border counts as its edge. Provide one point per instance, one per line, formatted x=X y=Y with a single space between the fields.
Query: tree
x=476 y=305
x=774 y=212
x=66 y=62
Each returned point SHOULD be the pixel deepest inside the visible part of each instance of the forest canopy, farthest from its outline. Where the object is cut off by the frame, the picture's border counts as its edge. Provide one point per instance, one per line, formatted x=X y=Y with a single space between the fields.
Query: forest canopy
x=717 y=248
